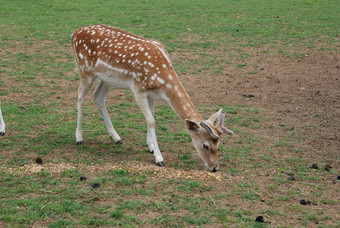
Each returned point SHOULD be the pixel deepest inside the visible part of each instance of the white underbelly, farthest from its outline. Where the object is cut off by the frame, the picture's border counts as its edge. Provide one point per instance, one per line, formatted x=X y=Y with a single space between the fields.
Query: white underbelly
x=113 y=76
x=116 y=80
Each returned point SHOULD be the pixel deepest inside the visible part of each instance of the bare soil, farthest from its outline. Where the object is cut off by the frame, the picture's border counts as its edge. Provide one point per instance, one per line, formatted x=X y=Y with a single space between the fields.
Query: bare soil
x=301 y=93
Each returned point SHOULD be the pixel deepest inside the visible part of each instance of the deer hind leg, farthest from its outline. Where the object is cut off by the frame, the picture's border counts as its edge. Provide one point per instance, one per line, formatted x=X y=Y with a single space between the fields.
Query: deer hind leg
x=146 y=105
x=99 y=96
x=84 y=87
x=2 y=123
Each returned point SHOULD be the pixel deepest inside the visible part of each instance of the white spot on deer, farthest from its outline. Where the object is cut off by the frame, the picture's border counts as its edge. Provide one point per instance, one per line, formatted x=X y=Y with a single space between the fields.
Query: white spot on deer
x=160 y=80
x=164 y=65
x=170 y=77
x=97 y=40
x=168 y=85
x=81 y=55
x=93 y=32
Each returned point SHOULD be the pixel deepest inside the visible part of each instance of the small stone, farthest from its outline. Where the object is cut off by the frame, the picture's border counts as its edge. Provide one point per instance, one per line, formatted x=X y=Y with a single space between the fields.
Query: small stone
x=248 y=95
x=39 y=161
x=82 y=178
x=315 y=166
x=304 y=202
x=259 y=219
x=338 y=177
x=328 y=167
x=291 y=178
x=95 y=185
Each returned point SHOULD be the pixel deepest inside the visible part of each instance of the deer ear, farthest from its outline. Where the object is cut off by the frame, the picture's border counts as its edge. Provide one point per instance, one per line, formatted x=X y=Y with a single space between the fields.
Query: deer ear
x=215 y=117
x=192 y=126
x=220 y=125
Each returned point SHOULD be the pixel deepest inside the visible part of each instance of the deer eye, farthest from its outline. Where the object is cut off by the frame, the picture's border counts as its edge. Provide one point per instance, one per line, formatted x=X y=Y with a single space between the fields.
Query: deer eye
x=206 y=146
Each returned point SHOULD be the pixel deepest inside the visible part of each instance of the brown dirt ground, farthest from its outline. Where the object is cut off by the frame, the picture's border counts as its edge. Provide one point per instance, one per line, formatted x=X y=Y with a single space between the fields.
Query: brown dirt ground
x=300 y=92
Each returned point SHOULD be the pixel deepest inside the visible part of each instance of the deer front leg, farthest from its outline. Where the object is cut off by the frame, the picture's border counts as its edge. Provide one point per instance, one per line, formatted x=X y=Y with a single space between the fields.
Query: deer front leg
x=149 y=138
x=100 y=95
x=144 y=103
x=2 y=123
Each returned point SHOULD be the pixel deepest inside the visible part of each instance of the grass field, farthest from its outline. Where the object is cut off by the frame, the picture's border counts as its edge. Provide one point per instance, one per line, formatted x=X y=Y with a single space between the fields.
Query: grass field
x=265 y=168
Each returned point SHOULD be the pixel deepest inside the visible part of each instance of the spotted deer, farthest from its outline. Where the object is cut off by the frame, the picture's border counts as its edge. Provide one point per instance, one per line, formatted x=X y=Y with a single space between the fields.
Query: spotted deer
x=126 y=61
x=2 y=123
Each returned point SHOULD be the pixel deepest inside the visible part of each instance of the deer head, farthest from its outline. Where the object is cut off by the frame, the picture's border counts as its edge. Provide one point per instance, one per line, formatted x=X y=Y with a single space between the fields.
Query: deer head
x=206 y=138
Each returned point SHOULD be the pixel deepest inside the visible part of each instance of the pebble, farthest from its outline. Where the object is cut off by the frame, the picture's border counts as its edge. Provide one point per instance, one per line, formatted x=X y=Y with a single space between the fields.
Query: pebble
x=259 y=219
x=304 y=202
x=39 y=161
x=82 y=178
x=95 y=185
x=315 y=166
x=328 y=167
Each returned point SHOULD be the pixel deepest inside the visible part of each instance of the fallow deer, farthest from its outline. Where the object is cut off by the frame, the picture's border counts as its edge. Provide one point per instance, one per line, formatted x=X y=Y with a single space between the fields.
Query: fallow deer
x=126 y=61
x=2 y=123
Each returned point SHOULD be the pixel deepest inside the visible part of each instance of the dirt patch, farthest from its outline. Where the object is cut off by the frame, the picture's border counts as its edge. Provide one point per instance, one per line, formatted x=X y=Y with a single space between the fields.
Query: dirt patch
x=303 y=92
x=136 y=168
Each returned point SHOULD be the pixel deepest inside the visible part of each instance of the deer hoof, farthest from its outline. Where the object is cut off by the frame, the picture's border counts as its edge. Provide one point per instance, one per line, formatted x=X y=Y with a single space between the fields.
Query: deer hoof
x=151 y=151
x=80 y=143
x=2 y=133
x=161 y=164
x=119 y=142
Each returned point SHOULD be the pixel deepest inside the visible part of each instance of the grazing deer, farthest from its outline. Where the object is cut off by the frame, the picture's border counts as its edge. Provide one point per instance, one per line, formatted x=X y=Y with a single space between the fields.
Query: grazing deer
x=125 y=61
x=2 y=123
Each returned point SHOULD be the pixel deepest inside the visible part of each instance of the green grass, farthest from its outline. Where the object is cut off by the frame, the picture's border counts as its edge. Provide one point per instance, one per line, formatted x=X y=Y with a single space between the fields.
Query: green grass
x=38 y=90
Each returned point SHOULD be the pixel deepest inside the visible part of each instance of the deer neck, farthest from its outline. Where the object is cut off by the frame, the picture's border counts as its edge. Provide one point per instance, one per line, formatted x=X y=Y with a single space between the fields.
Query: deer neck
x=180 y=102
